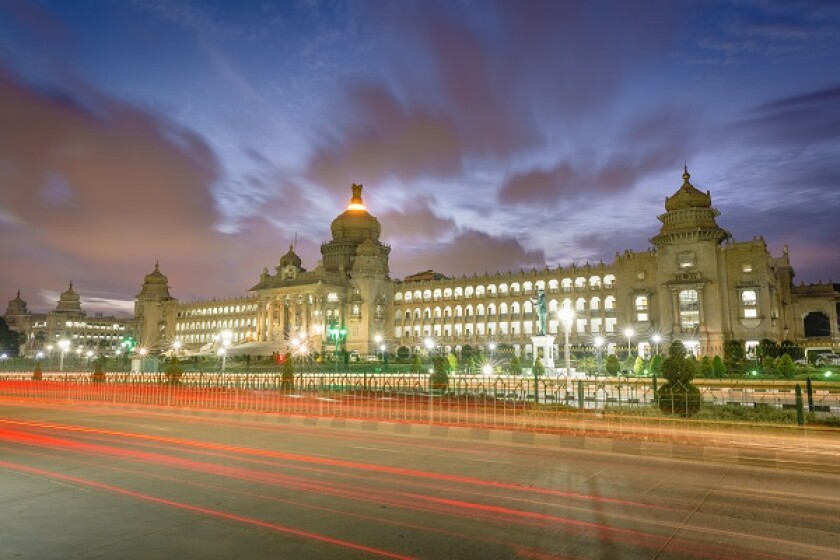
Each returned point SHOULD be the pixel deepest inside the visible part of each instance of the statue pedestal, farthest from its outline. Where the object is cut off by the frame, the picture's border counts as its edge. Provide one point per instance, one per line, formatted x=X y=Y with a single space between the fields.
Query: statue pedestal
x=544 y=350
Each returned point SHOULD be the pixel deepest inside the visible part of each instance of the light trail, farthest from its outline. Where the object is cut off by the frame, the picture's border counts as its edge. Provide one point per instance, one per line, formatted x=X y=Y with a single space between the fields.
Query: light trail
x=455 y=508
x=202 y=510
x=381 y=469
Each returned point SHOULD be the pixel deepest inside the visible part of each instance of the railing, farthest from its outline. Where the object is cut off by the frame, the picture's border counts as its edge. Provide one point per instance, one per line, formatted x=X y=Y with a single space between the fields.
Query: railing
x=474 y=399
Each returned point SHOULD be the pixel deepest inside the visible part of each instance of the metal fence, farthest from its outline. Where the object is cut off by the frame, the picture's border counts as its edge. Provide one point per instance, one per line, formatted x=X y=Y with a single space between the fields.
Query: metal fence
x=474 y=400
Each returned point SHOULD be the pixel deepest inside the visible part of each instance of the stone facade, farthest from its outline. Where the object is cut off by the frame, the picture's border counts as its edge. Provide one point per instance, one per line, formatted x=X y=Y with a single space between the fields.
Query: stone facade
x=694 y=284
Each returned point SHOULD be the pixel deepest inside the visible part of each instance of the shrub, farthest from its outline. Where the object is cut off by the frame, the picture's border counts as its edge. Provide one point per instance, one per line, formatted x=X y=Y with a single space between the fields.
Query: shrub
x=98 y=375
x=678 y=395
x=416 y=365
x=174 y=371
x=656 y=365
x=539 y=368
x=718 y=367
x=515 y=366
x=785 y=366
x=681 y=399
x=439 y=379
x=639 y=366
x=706 y=368
x=287 y=376
x=613 y=365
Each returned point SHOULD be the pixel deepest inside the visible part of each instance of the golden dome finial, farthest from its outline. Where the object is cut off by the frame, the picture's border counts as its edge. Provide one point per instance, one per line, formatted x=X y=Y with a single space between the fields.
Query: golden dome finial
x=356 y=202
x=686 y=176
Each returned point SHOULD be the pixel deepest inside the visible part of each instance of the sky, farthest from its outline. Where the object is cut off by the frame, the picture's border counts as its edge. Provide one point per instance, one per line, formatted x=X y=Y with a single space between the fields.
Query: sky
x=490 y=136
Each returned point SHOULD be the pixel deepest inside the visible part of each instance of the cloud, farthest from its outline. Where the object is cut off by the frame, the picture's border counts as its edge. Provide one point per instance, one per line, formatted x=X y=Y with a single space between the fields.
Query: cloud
x=470 y=251
x=379 y=137
x=466 y=90
x=101 y=183
x=418 y=223
x=644 y=147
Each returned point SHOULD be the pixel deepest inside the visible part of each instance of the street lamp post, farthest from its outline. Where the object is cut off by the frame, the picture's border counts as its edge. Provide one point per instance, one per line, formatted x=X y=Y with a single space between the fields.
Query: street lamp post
x=337 y=334
x=377 y=341
x=222 y=353
x=599 y=344
x=492 y=347
x=628 y=332
x=566 y=316
x=64 y=345
x=656 y=339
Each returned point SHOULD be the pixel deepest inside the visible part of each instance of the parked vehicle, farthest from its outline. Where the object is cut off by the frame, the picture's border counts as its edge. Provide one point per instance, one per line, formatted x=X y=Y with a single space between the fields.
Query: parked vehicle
x=829 y=360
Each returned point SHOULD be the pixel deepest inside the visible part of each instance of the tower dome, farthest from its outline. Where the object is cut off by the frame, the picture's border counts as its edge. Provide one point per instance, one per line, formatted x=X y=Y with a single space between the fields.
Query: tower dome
x=155 y=285
x=290 y=258
x=355 y=224
x=687 y=196
x=69 y=301
x=16 y=306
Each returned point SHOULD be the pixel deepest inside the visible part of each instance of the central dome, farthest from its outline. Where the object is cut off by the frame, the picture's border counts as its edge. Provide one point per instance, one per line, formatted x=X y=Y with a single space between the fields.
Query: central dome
x=355 y=224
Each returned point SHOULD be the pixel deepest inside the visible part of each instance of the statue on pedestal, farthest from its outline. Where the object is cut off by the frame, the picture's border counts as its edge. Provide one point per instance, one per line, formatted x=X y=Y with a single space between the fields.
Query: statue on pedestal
x=539 y=303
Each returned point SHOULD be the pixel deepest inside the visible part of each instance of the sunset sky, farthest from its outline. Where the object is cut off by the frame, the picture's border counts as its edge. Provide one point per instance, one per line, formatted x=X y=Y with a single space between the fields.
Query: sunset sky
x=489 y=135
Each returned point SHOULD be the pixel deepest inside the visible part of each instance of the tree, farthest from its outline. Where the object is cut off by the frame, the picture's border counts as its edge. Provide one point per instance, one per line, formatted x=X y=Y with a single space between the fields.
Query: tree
x=785 y=366
x=403 y=354
x=515 y=367
x=706 y=369
x=453 y=362
x=656 y=365
x=768 y=349
x=718 y=367
x=466 y=352
x=287 y=377
x=416 y=364
x=789 y=348
x=10 y=340
x=678 y=395
x=639 y=366
x=733 y=355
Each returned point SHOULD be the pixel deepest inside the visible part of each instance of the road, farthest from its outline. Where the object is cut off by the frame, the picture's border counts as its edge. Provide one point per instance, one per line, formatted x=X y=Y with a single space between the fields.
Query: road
x=82 y=482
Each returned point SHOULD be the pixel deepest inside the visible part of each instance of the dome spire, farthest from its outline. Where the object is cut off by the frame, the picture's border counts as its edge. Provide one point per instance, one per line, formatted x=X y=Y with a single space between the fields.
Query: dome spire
x=356 y=202
x=686 y=175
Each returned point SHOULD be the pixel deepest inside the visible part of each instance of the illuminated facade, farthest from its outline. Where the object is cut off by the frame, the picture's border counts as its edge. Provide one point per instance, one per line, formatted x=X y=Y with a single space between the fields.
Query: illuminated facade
x=68 y=321
x=694 y=284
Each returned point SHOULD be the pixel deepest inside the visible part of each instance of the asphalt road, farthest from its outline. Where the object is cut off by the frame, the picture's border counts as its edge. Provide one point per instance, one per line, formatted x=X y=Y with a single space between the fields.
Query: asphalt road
x=83 y=482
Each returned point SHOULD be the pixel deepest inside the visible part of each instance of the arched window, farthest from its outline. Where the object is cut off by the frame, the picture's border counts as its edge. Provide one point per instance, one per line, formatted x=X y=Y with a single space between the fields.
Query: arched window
x=514 y=308
x=408 y=296
x=479 y=291
x=447 y=293
x=459 y=312
x=609 y=303
x=468 y=292
x=816 y=323
x=609 y=281
x=503 y=308
x=479 y=310
x=553 y=306
x=437 y=312
x=427 y=295
x=595 y=303
x=459 y=292
x=580 y=304
x=437 y=294
x=514 y=288
x=491 y=309
x=503 y=289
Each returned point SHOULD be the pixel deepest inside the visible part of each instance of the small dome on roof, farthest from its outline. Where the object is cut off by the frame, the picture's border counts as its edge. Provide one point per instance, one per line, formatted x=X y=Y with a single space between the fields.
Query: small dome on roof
x=290 y=258
x=688 y=196
x=69 y=300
